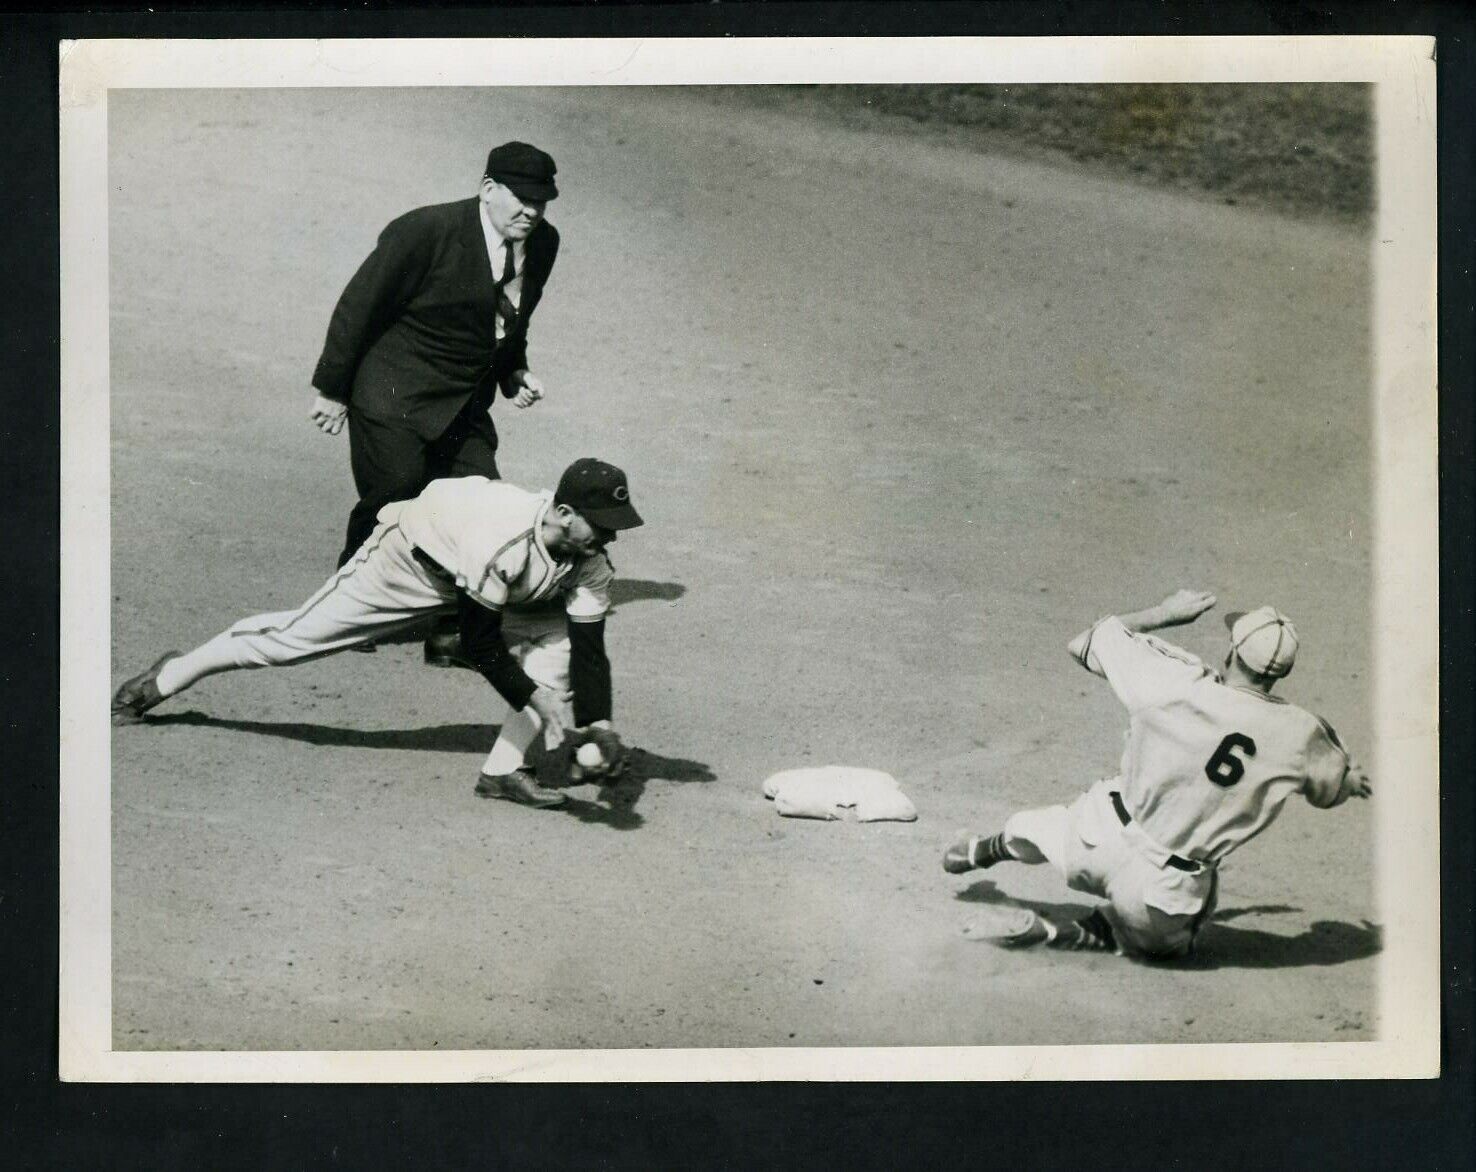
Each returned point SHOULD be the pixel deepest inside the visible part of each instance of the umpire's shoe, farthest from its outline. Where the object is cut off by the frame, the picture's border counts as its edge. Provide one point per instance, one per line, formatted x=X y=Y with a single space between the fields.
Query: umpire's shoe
x=138 y=695
x=519 y=786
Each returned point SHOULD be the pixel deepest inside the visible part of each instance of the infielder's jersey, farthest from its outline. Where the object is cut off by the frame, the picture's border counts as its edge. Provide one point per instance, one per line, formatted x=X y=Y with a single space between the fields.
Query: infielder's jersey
x=488 y=535
x=1207 y=766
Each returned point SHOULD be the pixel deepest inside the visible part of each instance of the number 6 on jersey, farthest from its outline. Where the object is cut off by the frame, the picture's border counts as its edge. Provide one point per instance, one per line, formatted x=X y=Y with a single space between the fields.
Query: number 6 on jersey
x=1225 y=768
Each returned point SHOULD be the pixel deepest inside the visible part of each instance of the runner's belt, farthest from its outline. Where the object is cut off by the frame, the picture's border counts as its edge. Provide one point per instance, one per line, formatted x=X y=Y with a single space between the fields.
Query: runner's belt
x=1175 y=861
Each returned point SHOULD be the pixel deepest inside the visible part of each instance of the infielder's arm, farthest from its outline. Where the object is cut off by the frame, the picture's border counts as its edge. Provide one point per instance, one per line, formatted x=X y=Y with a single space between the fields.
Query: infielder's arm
x=589 y=672
x=387 y=279
x=483 y=644
x=1180 y=607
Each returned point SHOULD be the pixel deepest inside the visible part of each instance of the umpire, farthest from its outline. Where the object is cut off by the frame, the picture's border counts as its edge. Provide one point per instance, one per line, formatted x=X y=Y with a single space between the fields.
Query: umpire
x=430 y=328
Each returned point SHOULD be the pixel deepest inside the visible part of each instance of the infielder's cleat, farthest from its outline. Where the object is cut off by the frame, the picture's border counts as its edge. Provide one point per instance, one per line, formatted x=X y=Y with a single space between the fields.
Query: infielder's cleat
x=973 y=853
x=519 y=786
x=137 y=695
x=1008 y=927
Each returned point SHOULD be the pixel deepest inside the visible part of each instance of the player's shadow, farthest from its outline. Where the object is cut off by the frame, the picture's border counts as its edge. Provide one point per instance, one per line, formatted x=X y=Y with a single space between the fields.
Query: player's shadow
x=614 y=806
x=1324 y=942
x=1220 y=946
x=438 y=738
x=624 y=590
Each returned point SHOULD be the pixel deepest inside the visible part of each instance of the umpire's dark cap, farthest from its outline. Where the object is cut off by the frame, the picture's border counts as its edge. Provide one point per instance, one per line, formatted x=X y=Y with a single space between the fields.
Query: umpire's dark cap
x=524 y=169
x=599 y=493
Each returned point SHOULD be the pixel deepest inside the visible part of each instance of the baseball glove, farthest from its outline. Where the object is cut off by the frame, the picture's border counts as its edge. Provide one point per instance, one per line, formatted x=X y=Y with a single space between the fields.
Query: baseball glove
x=612 y=749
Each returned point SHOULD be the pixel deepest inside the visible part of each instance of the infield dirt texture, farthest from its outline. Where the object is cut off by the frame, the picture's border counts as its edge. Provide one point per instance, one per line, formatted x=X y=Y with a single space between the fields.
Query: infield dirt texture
x=902 y=419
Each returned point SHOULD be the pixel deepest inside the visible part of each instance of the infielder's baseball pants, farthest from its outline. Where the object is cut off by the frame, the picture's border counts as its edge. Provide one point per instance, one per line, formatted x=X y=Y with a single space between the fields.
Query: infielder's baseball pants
x=381 y=590
x=1155 y=909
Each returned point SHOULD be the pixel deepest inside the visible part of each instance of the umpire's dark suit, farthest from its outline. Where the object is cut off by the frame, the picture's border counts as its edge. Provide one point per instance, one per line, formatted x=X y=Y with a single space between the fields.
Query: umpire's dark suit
x=412 y=349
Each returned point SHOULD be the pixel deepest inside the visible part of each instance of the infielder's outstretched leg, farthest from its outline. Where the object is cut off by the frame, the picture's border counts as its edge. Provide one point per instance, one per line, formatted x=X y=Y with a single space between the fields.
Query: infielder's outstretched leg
x=541 y=647
x=382 y=589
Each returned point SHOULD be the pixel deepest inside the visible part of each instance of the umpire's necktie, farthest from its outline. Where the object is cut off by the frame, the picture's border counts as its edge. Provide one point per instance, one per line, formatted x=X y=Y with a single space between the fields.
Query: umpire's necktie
x=507 y=312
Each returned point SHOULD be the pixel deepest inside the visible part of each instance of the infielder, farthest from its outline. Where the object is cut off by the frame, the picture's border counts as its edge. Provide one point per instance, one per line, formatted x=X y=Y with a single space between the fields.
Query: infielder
x=1210 y=760
x=501 y=559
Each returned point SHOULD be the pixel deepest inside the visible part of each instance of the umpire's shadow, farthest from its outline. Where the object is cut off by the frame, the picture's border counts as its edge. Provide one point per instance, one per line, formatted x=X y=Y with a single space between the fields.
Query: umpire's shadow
x=1221 y=946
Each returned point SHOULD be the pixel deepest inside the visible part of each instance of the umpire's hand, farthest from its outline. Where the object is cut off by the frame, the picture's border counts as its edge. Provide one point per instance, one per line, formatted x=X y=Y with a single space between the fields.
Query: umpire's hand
x=530 y=388
x=328 y=414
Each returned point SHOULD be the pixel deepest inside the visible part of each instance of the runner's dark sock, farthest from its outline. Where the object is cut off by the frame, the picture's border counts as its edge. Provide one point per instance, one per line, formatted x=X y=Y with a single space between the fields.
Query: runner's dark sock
x=1091 y=933
x=991 y=850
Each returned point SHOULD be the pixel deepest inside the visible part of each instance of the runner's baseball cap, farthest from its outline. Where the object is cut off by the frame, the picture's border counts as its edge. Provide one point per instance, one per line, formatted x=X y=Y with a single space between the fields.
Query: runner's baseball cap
x=524 y=170
x=598 y=492
x=1264 y=640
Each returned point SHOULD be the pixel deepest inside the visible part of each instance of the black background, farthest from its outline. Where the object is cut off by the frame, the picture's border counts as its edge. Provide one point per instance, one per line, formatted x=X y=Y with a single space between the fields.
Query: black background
x=1425 y=1124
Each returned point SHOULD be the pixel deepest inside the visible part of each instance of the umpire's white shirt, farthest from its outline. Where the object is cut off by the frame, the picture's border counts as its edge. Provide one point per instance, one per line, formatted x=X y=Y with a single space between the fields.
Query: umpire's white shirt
x=497 y=256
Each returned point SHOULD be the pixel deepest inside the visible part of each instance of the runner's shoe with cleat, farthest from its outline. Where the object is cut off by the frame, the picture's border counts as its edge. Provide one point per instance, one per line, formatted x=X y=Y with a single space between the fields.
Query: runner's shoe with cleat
x=1008 y=927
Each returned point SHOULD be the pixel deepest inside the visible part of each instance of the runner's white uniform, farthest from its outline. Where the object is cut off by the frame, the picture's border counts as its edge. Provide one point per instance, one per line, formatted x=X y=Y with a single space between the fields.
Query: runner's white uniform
x=479 y=535
x=1205 y=769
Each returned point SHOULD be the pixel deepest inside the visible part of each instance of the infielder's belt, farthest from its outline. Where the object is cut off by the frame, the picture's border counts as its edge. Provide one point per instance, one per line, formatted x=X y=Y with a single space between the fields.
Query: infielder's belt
x=431 y=564
x=1176 y=861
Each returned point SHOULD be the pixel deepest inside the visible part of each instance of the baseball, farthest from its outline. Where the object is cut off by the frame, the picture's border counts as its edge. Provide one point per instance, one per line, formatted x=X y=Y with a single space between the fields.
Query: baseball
x=589 y=755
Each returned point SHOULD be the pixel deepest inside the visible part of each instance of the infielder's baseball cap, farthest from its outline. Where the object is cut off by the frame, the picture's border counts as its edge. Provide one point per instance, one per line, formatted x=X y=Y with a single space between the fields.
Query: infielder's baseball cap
x=1264 y=640
x=598 y=492
x=524 y=170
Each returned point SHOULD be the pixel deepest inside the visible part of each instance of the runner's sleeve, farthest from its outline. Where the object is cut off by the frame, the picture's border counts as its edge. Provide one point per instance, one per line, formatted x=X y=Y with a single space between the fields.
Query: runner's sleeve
x=483 y=644
x=588 y=598
x=1326 y=770
x=1143 y=671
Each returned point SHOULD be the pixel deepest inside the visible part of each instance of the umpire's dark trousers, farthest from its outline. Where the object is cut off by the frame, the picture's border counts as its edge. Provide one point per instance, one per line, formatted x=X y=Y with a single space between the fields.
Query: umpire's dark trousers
x=391 y=462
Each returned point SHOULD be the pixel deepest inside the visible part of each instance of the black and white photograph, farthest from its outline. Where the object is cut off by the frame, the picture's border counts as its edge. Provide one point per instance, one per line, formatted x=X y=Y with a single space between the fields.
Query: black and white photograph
x=713 y=560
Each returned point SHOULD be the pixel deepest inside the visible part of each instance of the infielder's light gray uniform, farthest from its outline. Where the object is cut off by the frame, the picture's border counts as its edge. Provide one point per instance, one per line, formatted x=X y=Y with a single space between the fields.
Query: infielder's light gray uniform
x=479 y=535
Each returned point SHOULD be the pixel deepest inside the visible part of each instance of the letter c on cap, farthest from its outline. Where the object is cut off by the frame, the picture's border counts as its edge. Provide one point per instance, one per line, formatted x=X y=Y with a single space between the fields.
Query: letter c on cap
x=621 y=493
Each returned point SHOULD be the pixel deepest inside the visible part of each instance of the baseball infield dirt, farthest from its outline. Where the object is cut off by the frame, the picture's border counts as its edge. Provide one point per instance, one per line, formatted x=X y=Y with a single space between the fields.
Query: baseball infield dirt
x=901 y=418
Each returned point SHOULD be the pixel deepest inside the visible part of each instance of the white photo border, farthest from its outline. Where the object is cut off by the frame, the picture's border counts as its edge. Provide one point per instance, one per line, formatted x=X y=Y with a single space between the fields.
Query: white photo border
x=1406 y=533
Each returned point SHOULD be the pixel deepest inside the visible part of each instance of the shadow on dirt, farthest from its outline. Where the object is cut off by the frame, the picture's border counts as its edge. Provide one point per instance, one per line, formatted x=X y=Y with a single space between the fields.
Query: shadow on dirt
x=1325 y=942
x=624 y=590
x=1220 y=946
x=615 y=805
x=440 y=738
